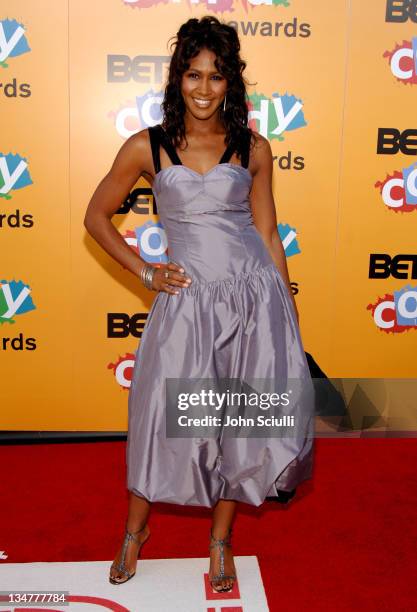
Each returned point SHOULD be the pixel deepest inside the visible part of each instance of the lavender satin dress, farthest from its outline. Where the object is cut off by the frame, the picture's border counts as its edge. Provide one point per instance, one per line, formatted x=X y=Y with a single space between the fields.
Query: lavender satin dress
x=234 y=320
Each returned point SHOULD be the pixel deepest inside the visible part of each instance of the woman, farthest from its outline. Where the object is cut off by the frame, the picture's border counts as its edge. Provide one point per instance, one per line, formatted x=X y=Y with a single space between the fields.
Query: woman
x=224 y=306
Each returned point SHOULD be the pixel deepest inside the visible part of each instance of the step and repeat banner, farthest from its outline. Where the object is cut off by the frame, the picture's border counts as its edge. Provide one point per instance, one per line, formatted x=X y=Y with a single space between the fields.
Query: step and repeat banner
x=334 y=86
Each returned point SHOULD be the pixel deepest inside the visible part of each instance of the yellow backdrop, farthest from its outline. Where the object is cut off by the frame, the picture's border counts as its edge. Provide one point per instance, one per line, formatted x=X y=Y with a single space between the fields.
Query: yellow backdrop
x=331 y=81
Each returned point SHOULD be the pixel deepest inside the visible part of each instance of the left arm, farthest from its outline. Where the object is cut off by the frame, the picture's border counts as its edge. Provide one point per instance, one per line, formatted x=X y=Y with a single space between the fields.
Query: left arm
x=263 y=207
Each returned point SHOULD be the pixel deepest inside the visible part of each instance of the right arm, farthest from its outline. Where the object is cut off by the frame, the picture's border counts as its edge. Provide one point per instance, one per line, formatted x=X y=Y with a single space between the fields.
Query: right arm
x=133 y=159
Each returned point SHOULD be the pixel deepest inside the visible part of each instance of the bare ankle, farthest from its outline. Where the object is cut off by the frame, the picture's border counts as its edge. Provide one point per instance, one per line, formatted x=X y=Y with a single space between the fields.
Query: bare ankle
x=220 y=533
x=136 y=528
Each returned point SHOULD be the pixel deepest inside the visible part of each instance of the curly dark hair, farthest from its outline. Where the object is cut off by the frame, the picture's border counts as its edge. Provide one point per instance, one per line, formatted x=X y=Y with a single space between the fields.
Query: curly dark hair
x=193 y=36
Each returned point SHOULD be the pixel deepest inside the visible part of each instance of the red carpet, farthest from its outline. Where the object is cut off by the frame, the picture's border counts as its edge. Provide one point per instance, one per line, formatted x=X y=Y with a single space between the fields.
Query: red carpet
x=348 y=542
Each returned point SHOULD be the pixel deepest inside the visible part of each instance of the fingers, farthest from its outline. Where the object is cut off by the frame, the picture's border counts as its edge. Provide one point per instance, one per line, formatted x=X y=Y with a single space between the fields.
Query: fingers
x=177 y=275
x=172 y=265
x=168 y=289
x=177 y=278
x=171 y=284
x=176 y=272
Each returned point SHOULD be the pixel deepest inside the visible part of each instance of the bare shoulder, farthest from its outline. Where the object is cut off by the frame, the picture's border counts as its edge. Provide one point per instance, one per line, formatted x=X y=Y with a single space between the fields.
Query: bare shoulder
x=260 y=145
x=260 y=152
x=140 y=143
x=136 y=153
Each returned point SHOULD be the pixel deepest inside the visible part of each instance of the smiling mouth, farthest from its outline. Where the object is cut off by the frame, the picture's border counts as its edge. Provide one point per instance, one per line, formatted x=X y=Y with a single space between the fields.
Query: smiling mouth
x=202 y=103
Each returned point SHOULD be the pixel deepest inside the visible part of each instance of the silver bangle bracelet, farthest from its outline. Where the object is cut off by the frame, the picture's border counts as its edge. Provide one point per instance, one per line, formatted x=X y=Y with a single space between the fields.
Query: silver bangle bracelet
x=146 y=275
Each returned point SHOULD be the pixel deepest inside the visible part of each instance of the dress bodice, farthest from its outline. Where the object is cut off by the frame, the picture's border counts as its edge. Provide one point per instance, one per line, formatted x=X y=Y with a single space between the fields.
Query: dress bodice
x=182 y=190
x=207 y=216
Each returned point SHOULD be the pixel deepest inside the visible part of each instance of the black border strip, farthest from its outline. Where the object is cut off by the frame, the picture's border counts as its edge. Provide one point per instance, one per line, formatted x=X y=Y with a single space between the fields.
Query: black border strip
x=59 y=437
x=42 y=437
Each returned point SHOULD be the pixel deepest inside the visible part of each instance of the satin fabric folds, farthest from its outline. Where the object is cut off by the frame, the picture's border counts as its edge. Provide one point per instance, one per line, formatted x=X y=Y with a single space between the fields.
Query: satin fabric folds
x=236 y=319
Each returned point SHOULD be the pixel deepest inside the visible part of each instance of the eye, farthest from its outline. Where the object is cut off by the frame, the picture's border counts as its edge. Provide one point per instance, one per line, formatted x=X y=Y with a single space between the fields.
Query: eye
x=217 y=77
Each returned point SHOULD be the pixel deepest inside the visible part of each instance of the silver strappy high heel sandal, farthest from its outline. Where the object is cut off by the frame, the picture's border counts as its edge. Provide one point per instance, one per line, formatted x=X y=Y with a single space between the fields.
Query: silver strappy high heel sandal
x=218 y=578
x=121 y=567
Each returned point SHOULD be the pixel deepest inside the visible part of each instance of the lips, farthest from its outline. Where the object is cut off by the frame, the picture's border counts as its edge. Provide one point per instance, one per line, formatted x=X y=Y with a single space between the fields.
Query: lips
x=201 y=103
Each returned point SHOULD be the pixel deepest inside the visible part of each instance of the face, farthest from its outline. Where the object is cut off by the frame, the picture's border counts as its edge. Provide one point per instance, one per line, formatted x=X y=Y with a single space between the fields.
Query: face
x=202 y=86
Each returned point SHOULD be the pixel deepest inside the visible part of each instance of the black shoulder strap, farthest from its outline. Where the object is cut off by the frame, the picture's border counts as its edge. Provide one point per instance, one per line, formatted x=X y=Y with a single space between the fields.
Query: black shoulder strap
x=155 y=142
x=159 y=137
x=245 y=149
x=244 y=146
x=168 y=146
x=227 y=154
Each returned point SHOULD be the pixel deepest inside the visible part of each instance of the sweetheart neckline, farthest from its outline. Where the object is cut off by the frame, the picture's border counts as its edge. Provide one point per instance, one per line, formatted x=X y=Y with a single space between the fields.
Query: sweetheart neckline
x=204 y=174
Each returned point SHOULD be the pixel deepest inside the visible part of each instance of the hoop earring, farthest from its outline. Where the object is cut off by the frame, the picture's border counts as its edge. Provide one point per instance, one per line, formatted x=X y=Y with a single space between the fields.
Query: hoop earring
x=224 y=103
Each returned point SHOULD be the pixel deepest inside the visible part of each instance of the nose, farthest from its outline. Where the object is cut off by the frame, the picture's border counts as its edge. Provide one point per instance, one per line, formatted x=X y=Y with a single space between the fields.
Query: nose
x=204 y=86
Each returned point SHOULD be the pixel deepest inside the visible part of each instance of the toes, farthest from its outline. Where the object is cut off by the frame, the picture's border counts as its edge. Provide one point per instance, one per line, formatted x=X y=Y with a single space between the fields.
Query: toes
x=217 y=586
x=116 y=574
x=119 y=577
